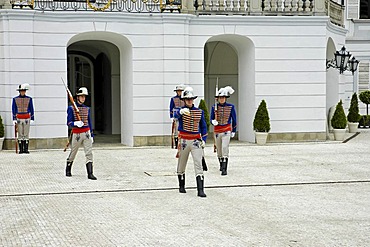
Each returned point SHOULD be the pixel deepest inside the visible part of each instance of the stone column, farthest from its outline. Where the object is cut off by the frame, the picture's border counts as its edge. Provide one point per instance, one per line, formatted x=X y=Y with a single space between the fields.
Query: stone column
x=255 y=7
x=187 y=6
x=5 y=4
x=319 y=7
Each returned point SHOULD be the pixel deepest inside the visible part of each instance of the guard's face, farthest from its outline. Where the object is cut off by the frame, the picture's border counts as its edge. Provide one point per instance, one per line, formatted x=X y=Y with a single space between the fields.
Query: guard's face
x=178 y=92
x=81 y=99
x=222 y=99
x=189 y=102
x=22 y=92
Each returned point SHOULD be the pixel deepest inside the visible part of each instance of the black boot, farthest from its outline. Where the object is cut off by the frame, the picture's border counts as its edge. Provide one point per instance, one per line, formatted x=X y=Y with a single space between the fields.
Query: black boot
x=176 y=142
x=220 y=161
x=224 y=167
x=89 y=168
x=25 y=146
x=20 y=146
x=68 y=168
x=181 y=183
x=204 y=164
x=200 y=186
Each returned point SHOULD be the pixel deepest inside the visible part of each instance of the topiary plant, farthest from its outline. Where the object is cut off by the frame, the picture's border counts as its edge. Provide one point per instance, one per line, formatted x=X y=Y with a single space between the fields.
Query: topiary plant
x=365 y=98
x=353 y=111
x=339 y=120
x=203 y=106
x=1 y=128
x=261 y=122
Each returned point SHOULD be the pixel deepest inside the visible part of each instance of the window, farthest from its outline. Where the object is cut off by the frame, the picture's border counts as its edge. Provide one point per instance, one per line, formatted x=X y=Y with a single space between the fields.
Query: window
x=364 y=9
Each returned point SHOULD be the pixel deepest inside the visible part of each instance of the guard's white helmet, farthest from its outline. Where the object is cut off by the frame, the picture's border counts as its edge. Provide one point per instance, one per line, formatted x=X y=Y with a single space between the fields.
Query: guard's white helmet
x=23 y=87
x=225 y=92
x=82 y=91
x=188 y=93
x=179 y=88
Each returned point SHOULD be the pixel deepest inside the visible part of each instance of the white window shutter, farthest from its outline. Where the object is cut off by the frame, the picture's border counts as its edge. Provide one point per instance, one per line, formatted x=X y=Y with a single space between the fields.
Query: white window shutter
x=353 y=9
x=363 y=76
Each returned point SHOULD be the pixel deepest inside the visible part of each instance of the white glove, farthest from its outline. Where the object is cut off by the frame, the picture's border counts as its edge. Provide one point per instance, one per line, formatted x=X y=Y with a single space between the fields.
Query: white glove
x=172 y=119
x=92 y=140
x=232 y=134
x=185 y=111
x=79 y=124
x=15 y=122
x=214 y=122
x=32 y=122
x=203 y=144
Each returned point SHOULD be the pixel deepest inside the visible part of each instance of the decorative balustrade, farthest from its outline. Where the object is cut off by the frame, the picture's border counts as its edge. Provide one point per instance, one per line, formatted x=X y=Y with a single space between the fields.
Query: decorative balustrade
x=260 y=7
x=199 y=7
x=135 y=6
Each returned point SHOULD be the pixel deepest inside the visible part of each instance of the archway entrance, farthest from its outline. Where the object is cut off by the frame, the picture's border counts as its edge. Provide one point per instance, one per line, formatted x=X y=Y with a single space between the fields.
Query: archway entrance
x=230 y=60
x=332 y=86
x=90 y=65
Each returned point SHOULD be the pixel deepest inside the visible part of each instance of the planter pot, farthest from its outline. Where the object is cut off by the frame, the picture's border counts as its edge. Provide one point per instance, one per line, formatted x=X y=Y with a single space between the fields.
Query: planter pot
x=1 y=143
x=261 y=137
x=352 y=127
x=339 y=134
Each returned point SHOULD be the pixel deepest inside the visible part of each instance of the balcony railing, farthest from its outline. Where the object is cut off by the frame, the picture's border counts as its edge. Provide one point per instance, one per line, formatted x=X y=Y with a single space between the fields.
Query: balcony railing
x=336 y=12
x=199 y=7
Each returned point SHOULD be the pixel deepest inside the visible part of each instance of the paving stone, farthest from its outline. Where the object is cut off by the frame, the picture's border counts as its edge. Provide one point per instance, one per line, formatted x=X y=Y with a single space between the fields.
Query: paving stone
x=298 y=194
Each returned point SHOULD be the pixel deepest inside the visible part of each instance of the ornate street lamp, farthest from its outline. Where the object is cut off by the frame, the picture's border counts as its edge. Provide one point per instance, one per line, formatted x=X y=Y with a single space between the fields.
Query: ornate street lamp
x=352 y=65
x=342 y=61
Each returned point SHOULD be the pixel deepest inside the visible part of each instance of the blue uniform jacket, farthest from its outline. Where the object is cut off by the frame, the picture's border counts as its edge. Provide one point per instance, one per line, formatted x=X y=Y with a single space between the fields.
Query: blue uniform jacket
x=202 y=123
x=173 y=106
x=15 y=110
x=232 y=118
x=86 y=119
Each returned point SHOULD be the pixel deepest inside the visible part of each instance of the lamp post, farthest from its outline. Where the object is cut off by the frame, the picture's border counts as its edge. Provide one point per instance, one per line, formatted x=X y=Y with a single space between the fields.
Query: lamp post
x=343 y=62
x=352 y=65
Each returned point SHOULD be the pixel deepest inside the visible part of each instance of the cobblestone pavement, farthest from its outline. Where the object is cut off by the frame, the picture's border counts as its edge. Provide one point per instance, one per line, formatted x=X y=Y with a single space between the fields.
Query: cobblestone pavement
x=302 y=194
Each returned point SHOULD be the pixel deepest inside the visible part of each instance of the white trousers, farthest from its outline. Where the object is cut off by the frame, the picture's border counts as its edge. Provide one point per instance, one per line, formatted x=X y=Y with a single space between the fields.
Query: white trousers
x=222 y=144
x=23 y=126
x=187 y=147
x=78 y=140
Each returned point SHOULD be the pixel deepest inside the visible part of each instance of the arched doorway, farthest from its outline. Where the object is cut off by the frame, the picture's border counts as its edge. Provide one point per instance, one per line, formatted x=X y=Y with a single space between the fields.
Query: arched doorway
x=89 y=66
x=332 y=84
x=102 y=62
x=230 y=59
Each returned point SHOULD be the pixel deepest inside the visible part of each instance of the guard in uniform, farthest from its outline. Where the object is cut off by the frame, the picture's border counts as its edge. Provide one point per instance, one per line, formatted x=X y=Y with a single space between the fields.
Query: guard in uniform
x=223 y=118
x=192 y=137
x=175 y=104
x=23 y=116
x=81 y=133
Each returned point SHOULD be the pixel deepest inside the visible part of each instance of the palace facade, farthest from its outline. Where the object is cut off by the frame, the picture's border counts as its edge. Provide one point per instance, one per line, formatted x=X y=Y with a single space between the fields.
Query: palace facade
x=131 y=54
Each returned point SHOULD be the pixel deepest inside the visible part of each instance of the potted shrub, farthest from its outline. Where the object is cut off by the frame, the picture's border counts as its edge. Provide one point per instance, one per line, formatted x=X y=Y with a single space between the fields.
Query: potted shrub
x=365 y=98
x=353 y=116
x=339 y=122
x=364 y=120
x=203 y=106
x=261 y=123
x=1 y=133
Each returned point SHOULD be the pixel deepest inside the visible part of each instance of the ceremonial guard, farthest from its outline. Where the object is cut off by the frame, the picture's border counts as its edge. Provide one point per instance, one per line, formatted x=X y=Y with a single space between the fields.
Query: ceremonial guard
x=192 y=136
x=80 y=121
x=175 y=104
x=23 y=116
x=223 y=118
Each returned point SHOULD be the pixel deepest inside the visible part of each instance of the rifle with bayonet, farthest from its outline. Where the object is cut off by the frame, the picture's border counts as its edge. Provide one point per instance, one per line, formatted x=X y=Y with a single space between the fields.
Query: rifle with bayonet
x=215 y=109
x=173 y=134
x=75 y=108
x=16 y=137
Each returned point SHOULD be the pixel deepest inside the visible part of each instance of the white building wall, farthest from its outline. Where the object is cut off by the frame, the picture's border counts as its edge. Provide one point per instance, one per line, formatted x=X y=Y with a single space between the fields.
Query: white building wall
x=167 y=49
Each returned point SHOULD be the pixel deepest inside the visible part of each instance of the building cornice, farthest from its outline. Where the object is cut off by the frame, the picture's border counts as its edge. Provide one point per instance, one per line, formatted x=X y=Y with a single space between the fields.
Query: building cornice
x=336 y=29
x=168 y=18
